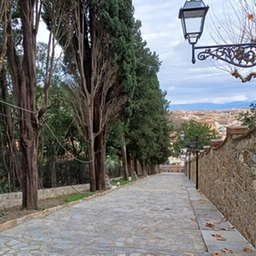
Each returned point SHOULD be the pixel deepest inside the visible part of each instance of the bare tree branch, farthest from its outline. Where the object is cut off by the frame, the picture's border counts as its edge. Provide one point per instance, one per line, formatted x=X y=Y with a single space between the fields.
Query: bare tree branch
x=238 y=25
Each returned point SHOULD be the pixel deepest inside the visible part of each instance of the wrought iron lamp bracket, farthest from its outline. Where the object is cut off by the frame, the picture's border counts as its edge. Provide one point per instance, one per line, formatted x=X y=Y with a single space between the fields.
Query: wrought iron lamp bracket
x=240 y=55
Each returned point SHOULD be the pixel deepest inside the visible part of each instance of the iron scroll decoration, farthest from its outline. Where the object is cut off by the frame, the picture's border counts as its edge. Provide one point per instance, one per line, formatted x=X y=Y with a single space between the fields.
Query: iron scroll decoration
x=240 y=55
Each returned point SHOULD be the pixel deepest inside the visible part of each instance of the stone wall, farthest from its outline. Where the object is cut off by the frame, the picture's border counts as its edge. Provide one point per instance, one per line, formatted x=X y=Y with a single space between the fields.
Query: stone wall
x=171 y=168
x=227 y=176
x=15 y=199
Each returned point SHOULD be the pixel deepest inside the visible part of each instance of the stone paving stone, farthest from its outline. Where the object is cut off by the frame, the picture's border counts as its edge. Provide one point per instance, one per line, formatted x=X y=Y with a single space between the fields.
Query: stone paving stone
x=154 y=216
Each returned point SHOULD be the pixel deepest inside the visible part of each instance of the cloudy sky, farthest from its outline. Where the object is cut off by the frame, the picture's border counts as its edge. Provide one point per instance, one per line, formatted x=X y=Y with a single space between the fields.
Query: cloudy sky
x=184 y=82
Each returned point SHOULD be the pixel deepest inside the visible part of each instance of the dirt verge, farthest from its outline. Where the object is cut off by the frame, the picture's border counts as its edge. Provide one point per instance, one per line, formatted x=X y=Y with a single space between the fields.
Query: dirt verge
x=16 y=212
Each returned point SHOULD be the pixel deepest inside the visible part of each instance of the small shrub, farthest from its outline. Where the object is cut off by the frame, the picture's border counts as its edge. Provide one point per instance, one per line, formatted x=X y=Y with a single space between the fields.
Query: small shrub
x=43 y=207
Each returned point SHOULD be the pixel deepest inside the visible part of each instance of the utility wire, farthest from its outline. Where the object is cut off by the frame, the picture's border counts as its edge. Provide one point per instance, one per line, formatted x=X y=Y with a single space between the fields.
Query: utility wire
x=18 y=118
x=55 y=137
x=14 y=106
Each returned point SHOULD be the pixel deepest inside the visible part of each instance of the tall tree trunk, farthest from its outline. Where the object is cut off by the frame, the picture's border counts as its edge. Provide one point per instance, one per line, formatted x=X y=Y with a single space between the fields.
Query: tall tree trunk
x=134 y=165
x=144 y=169
x=53 y=170
x=99 y=141
x=91 y=151
x=128 y=157
x=99 y=148
x=23 y=73
x=124 y=159
x=148 y=169
x=29 y=123
x=30 y=181
x=92 y=166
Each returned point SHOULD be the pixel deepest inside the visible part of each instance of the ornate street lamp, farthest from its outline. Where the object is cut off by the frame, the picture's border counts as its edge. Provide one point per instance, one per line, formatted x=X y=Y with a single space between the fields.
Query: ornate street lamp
x=192 y=17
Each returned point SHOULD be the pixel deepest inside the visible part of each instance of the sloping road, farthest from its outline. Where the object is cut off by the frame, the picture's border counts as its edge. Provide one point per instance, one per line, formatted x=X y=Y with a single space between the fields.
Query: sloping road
x=159 y=215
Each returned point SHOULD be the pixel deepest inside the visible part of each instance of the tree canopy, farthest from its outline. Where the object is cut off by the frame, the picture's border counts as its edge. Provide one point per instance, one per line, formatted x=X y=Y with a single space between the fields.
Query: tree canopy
x=190 y=130
x=56 y=111
x=149 y=131
x=248 y=118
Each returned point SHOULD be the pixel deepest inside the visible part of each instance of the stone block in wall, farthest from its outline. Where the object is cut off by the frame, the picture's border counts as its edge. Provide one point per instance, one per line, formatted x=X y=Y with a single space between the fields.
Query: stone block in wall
x=254 y=185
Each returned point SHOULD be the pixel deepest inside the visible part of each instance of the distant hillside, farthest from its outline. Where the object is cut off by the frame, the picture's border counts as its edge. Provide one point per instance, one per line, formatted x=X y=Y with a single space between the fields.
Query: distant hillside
x=210 y=106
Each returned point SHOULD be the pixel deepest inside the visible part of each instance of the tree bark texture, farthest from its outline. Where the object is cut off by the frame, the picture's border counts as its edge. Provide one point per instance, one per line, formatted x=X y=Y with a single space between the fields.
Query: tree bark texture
x=99 y=64
x=99 y=147
x=14 y=165
x=124 y=159
x=23 y=73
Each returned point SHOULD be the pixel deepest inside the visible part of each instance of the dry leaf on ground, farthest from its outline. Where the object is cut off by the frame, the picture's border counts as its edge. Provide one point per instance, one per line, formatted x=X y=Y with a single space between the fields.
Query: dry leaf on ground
x=225 y=229
x=247 y=249
x=219 y=237
x=226 y=250
x=216 y=235
x=209 y=225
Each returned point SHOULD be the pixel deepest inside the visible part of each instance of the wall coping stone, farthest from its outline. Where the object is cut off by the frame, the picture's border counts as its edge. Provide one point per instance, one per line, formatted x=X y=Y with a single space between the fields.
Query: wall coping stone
x=207 y=148
x=237 y=130
x=215 y=142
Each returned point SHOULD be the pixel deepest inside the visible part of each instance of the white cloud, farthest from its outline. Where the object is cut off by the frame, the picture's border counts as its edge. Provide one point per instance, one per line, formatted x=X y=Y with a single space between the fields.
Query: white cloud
x=229 y=99
x=171 y=88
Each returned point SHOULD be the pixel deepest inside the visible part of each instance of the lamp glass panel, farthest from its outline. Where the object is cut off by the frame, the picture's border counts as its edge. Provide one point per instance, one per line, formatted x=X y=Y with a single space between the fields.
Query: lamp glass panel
x=193 y=26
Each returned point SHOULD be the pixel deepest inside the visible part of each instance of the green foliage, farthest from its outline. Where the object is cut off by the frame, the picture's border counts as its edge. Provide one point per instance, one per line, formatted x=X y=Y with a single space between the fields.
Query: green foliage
x=149 y=131
x=114 y=141
x=4 y=213
x=58 y=134
x=191 y=129
x=121 y=181
x=249 y=117
x=43 y=207
x=113 y=166
x=4 y=186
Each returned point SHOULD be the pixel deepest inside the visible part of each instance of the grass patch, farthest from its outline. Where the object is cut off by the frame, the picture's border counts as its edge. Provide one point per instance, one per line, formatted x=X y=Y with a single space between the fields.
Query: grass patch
x=4 y=213
x=78 y=196
x=122 y=182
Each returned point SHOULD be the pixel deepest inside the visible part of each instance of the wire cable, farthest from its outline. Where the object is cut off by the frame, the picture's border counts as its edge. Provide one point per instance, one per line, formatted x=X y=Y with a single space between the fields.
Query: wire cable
x=14 y=106
x=18 y=118
x=55 y=137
